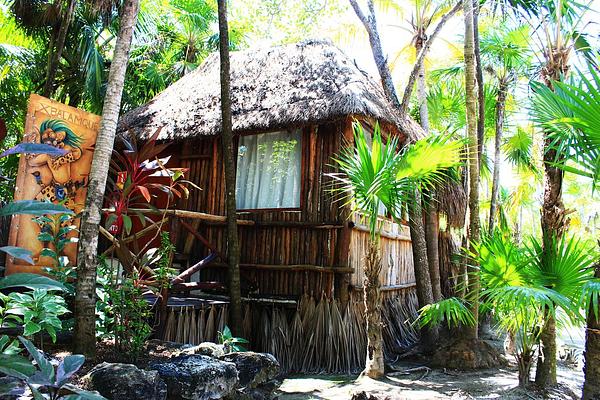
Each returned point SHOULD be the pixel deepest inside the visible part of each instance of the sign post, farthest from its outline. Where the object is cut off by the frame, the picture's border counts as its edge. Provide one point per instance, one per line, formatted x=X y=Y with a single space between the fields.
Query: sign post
x=58 y=179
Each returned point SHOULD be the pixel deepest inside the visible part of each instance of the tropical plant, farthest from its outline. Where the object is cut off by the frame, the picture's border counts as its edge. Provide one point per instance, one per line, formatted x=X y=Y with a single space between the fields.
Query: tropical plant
x=560 y=35
x=506 y=57
x=230 y=342
x=43 y=379
x=131 y=314
x=380 y=175
x=40 y=311
x=523 y=287
x=56 y=232
x=569 y=114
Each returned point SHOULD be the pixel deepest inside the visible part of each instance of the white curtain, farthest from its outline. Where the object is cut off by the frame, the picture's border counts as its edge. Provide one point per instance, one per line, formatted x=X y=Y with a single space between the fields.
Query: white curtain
x=268 y=170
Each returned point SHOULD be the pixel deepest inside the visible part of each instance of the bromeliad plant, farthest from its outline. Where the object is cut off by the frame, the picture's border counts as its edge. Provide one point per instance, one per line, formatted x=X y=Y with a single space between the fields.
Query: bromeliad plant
x=377 y=175
x=133 y=183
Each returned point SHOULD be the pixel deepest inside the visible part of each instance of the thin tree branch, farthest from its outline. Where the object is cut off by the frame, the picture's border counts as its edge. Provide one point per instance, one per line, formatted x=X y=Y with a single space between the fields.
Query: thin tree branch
x=370 y=24
x=421 y=57
x=359 y=13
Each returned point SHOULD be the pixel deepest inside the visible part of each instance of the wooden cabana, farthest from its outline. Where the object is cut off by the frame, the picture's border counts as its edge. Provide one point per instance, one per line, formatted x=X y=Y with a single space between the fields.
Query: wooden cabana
x=293 y=108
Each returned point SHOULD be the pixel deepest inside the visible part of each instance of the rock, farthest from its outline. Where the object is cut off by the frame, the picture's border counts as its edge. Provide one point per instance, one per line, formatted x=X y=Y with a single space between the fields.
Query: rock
x=126 y=381
x=197 y=377
x=205 y=349
x=467 y=354
x=254 y=369
x=164 y=349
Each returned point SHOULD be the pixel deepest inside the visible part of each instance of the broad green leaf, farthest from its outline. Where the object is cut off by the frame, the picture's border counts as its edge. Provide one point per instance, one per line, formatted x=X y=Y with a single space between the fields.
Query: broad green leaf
x=31 y=328
x=127 y=223
x=33 y=207
x=30 y=281
x=43 y=364
x=18 y=252
x=69 y=366
x=16 y=366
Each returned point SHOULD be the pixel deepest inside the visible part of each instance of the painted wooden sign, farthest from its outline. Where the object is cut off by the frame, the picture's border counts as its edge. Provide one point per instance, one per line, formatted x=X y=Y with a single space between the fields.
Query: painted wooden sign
x=59 y=179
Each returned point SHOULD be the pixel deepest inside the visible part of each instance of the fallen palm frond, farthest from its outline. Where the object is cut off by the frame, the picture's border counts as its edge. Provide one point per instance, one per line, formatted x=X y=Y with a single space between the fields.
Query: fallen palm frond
x=209 y=329
x=315 y=337
x=201 y=325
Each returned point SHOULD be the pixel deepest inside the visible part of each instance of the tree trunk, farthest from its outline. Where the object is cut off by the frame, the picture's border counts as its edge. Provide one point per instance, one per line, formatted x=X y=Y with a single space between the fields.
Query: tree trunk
x=472 y=294
x=229 y=152
x=524 y=361
x=421 y=267
x=374 y=367
x=431 y=215
x=553 y=224
x=591 y=385
x=500 y=104
x=432 y=231
x=56 y=53
x=85 y=297
x=479 y=74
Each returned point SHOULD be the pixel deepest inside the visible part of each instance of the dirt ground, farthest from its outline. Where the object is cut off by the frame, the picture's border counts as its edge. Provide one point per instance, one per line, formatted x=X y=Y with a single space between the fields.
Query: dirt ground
x=498 y=383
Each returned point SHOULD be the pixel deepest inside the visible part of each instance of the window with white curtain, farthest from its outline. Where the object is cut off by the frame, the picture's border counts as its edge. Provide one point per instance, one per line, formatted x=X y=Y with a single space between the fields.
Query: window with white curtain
x=268 y=170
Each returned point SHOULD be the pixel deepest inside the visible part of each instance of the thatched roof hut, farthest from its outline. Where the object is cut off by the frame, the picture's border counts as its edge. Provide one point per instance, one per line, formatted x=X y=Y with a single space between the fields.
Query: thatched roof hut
x=293 y=85
x=293 y=113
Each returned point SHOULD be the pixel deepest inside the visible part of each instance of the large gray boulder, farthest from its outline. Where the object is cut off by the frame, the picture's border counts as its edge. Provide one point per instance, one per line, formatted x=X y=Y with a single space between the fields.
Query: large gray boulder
x=197 y=377
x=254 y=369
x=257 y=374
x=126 y=381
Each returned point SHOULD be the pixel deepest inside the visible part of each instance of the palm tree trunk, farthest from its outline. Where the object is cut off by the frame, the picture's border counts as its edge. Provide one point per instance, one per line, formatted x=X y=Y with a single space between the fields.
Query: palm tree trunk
x=479 y=74
x=500 y=105
x=554 y=222
x=229 y=152
x=431 y=215
x=472 y=294
x=374 y=367
x=420 y=264
x=432 y=231
x=591 y=385
x=56 y=53
x=85 y=297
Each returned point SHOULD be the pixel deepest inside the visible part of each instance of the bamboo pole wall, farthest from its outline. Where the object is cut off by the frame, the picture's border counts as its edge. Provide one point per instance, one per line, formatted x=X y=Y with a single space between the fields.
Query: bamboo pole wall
x=396 y=253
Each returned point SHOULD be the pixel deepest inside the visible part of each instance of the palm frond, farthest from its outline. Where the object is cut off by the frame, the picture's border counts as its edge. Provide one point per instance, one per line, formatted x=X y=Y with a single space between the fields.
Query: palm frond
x=590 y=297
x=570 y=114
x=453 y=311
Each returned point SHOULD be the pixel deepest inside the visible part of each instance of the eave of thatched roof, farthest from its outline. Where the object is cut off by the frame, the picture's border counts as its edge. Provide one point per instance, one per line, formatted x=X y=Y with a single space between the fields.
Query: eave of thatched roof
x=292 y=85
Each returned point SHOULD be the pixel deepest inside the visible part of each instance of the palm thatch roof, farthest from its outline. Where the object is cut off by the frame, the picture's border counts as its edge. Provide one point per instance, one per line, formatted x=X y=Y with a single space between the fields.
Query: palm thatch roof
x=292 y=85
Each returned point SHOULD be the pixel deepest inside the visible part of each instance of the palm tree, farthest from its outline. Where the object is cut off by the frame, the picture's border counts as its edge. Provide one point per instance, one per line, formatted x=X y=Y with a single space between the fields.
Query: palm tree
x=380 y=175
x=568 y=113
x=521 y=285
x=471 y=112
x=417 y=230
x=506 y=58
x=424 y=15
x=85 y=298
x=559 y=35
